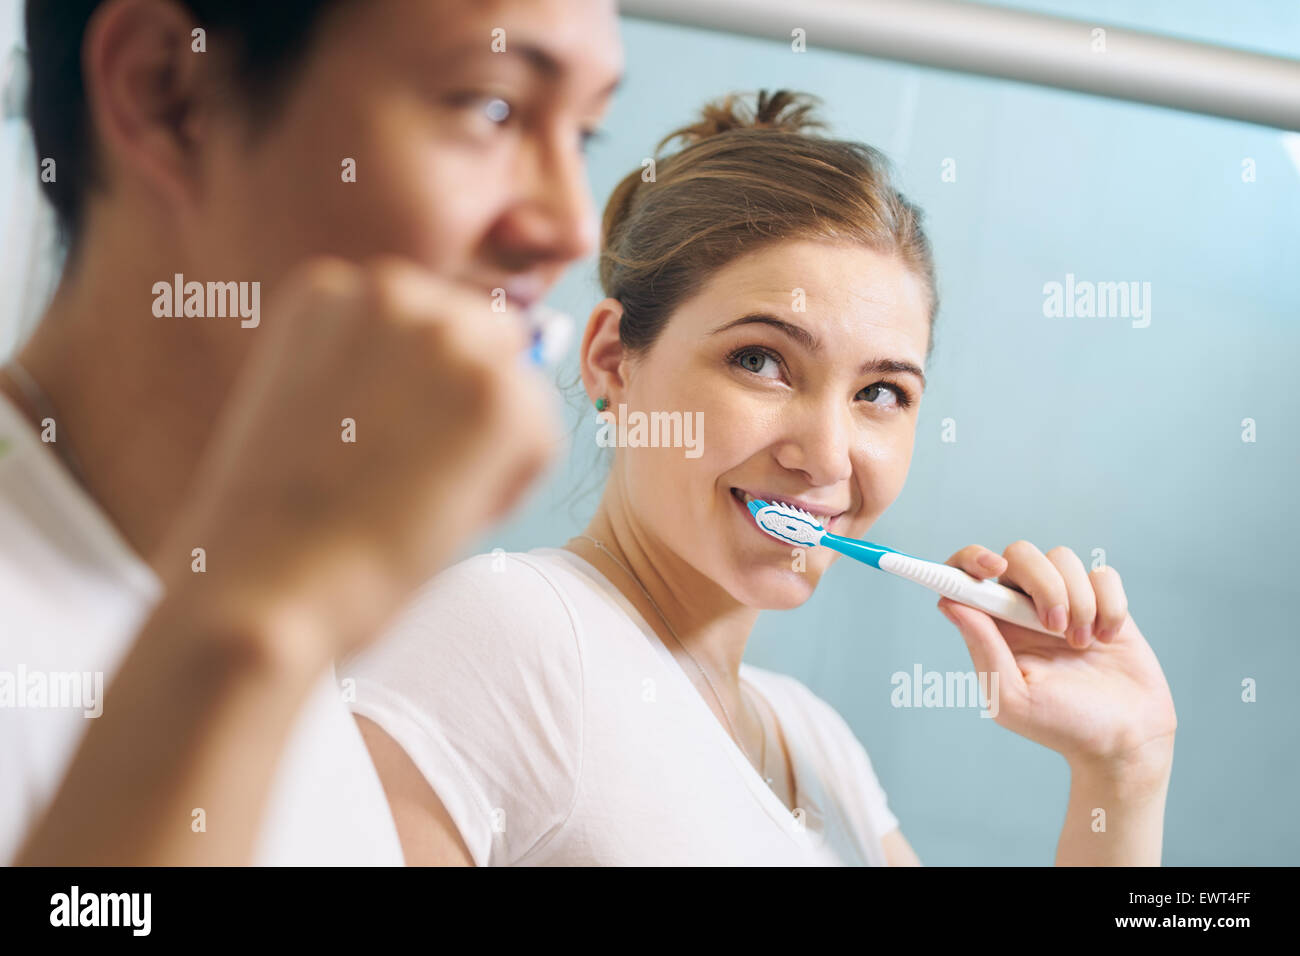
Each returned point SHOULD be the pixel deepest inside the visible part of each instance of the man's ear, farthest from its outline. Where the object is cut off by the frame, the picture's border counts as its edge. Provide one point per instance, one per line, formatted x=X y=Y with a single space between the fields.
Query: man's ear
x=142 y=75
x=602 y=357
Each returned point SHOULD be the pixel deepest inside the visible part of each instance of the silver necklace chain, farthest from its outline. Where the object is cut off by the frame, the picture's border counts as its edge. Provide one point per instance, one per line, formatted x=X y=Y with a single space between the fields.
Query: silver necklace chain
x=703 y=673
x=45 y=409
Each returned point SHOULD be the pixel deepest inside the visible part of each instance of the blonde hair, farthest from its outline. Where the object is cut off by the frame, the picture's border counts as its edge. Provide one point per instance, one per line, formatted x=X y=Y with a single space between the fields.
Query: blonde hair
x=746 y=176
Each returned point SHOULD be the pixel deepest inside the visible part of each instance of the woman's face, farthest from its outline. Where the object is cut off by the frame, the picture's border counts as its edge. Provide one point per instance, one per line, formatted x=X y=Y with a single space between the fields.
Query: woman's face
x=804 y=361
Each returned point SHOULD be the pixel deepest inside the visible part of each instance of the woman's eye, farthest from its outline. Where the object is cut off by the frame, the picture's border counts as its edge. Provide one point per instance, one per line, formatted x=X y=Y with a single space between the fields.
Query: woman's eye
x=872 y=392
x=758 y=361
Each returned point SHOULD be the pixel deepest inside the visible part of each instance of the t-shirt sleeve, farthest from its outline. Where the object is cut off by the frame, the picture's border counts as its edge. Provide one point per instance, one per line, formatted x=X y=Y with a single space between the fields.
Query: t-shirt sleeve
x=480 y=682
x=858 y=789
x=873 y=794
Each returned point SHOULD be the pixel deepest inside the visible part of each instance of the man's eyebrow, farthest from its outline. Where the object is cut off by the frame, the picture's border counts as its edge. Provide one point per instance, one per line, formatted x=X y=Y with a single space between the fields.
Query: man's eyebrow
x=550 y=66
x=540 y=59
x=813 y=344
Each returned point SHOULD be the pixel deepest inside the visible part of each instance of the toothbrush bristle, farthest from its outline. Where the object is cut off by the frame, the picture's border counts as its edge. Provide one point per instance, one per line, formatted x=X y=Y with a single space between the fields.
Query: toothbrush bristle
x=791 y=509
x=787 y=523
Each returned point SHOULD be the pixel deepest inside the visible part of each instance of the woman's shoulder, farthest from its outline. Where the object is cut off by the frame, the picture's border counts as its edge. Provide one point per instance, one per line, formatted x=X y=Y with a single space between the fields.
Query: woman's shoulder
x=522 y=587
x=480 y=681
x=488 y=611
x=497 y=570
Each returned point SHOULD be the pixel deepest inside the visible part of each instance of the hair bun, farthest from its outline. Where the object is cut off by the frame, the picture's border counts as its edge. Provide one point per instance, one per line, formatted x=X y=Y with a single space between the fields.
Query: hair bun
x=784 y=111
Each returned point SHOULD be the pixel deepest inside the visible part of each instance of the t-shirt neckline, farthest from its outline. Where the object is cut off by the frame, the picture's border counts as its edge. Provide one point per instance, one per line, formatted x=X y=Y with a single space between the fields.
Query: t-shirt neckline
x=769 y=801
x=92 y=523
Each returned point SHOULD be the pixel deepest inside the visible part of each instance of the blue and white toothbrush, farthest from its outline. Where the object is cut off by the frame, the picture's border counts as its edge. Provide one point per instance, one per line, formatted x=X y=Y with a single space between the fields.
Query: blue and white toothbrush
x=796 y=526
x=549 y=332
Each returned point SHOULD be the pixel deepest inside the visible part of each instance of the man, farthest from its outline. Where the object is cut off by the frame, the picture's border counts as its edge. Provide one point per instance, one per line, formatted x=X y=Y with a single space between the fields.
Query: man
x=209 y=507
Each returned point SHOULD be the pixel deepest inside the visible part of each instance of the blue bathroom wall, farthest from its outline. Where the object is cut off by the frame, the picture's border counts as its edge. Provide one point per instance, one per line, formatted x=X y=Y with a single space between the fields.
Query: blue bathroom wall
x=1086 y=432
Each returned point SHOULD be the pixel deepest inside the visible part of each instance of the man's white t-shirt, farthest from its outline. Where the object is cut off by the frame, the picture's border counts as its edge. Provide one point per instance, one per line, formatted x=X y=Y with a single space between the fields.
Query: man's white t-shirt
x=557 y=729
x=73 y=595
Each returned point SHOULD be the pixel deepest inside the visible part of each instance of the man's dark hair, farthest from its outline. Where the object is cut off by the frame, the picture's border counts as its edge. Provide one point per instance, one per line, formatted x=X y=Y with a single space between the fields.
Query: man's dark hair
x=264 y=39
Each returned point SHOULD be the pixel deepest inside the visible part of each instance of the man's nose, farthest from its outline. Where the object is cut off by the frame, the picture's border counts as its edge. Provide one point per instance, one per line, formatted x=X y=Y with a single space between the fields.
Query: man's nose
x=554 y=217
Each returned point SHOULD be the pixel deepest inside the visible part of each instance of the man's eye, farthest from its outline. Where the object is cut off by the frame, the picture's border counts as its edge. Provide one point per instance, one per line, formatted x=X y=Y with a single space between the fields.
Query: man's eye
x=497 y=109
x=492 y=108
x=485 y=105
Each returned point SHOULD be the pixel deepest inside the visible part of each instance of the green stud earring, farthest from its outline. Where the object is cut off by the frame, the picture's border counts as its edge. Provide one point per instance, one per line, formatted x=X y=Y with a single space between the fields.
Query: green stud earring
x=602 y=404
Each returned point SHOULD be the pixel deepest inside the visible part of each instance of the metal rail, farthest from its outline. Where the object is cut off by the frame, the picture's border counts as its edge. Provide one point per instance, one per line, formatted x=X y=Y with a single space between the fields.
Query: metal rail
x=1032 y=48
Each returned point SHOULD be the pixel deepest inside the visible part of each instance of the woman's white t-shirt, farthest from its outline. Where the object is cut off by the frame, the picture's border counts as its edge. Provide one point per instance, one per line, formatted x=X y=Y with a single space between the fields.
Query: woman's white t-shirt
x=557 y=729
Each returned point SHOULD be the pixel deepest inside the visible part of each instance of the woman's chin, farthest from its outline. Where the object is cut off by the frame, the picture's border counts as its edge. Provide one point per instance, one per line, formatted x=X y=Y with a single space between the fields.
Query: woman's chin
x=776 y=589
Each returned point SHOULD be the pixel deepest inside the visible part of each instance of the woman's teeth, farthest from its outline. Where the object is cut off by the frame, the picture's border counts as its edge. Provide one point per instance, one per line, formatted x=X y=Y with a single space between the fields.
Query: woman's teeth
x=746 y=498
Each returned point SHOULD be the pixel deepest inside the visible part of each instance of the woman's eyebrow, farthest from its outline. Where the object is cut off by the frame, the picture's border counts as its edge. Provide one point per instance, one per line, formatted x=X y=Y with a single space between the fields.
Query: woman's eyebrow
x=813 y=344
x=796 y=332
x=893 y=365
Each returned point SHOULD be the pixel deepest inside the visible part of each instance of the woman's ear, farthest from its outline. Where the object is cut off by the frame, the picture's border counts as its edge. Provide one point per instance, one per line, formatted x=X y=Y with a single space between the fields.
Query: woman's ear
x=602 y=356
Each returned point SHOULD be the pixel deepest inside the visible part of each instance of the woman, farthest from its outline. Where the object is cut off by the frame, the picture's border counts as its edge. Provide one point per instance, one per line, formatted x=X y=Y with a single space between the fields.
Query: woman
x=588 y=704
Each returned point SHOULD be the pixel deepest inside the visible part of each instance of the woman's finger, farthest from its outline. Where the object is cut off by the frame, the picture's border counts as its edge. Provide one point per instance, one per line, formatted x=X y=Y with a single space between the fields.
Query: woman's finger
x=978 y=561
x=1112 y=602
x=1029 y=570
x=988 y=648
x=1082 y=600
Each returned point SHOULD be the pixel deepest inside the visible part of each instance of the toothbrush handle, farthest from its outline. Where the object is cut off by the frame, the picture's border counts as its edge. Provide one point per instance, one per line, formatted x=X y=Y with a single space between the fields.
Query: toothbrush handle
x=955 y=584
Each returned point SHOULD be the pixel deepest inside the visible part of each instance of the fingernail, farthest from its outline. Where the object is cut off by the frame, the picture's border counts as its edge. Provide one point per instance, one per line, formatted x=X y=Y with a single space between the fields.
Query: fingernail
x=1105 y=634
x=989 y=560
x=943 y=609
x=1079 y=636
x=1056 y=617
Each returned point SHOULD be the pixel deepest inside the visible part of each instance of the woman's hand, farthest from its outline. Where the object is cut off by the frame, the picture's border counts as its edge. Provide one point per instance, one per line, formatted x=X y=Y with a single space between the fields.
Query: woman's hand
x=1100 y=698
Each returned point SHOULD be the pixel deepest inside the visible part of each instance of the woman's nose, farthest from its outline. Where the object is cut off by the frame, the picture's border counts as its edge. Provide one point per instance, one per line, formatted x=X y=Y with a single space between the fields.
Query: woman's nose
x=818 y=442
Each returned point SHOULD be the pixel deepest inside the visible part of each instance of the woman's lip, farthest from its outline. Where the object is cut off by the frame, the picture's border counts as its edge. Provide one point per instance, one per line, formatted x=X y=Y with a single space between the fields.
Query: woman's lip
x=818 y=511
x=748 y=518
x=829 y=523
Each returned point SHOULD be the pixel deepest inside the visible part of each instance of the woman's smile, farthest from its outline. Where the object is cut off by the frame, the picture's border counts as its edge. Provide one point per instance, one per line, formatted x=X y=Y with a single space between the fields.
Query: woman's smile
x=830 y=518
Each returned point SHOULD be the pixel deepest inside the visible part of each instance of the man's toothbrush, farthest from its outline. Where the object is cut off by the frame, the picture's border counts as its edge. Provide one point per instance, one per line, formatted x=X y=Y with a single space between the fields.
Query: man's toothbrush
x=549 y=333
x=796 y=526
